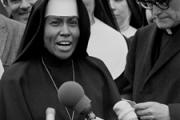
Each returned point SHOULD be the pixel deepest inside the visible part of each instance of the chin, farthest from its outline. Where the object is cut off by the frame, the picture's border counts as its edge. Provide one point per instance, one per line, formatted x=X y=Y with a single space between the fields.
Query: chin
x=23 y=19
x=165 y=24
x=63 y=56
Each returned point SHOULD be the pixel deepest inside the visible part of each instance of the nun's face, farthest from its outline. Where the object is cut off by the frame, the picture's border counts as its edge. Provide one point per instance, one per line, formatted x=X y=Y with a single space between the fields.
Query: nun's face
x=61 y=35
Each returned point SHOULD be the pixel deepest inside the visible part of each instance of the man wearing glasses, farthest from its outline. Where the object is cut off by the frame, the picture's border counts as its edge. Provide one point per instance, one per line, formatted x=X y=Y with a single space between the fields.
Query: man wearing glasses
x=152 y=73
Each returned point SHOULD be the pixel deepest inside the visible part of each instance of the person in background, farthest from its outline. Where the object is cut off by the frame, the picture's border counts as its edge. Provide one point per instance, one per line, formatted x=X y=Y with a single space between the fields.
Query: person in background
x=152 y=71
x=19 y=9
x=11 y=32
x=53 y=51
x=105 y=42
x=129 y=16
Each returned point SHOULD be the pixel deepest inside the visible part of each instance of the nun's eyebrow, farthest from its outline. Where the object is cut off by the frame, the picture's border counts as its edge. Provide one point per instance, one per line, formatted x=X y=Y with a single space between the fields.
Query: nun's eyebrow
x=60 y=17
x=74 y=17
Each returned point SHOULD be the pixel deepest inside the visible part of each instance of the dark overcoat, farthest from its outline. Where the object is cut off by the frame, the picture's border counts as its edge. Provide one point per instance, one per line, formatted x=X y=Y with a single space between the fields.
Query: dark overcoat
x=31 y=84
x=158 y=81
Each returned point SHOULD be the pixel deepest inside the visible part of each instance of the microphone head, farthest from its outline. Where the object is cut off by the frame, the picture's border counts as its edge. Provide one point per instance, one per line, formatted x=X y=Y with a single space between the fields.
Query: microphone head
x=71 y=94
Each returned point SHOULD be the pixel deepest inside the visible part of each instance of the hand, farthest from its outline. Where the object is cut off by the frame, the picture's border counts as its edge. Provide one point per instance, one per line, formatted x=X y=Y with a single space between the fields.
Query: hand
x=152 y=111
x=132 y=103
x=124 y=110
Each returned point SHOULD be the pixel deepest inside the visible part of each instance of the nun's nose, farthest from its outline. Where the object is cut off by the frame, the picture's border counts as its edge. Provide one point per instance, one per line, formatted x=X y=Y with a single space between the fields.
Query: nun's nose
x=65 y=31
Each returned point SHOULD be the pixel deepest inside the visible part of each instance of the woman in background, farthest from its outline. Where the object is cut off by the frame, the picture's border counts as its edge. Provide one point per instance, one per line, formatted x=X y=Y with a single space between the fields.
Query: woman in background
x=129 y=15
x=105 y=42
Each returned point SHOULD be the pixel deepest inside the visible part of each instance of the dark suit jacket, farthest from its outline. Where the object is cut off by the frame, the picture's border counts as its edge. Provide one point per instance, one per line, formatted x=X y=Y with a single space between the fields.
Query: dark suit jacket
x=11 y=32
x=158 y=82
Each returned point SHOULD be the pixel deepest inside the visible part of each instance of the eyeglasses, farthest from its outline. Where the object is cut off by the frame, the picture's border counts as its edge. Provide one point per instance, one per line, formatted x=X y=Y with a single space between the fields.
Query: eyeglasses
x=148 y=4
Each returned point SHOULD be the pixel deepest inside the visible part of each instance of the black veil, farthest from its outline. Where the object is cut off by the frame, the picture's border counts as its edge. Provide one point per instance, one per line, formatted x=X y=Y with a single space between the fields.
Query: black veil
x=103 y=12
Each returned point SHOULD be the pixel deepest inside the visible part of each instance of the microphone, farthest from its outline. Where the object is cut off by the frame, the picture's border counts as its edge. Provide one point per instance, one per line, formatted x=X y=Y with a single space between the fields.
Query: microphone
x=50 y=113
x=72 y=95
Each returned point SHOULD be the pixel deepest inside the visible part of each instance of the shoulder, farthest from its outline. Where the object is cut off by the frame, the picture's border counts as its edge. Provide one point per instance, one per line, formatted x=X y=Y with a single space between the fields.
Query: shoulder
x=10 y=24
x=99 y=64
x=96 y=61
x=147 y=29
x=18 y=71
x=145 y=34
x=10 y=29
x=2 y=18
x=3 y=26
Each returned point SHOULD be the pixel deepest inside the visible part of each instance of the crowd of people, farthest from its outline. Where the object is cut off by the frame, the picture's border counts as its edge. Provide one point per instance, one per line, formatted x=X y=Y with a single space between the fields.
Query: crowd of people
x=124 y=53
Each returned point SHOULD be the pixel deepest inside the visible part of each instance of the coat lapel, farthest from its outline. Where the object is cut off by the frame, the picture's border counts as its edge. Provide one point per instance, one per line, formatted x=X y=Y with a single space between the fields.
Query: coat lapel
x=146 y=63
x=168 y=53
x=3 y=34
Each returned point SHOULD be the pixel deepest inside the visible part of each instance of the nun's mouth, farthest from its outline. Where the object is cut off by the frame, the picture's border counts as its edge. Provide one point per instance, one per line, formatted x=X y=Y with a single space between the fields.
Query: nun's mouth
x=64 y=45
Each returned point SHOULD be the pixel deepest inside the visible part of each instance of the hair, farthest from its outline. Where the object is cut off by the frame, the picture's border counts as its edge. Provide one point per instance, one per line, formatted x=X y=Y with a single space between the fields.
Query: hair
x=103 y=12
x=138 y=18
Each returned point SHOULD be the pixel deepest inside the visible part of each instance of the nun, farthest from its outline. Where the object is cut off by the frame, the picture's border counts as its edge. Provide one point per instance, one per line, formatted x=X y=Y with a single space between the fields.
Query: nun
x=53 y=51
